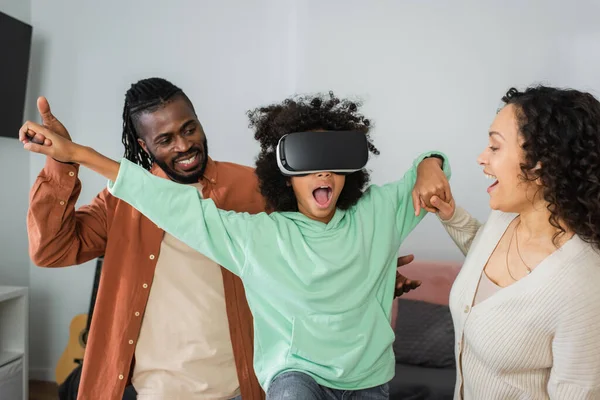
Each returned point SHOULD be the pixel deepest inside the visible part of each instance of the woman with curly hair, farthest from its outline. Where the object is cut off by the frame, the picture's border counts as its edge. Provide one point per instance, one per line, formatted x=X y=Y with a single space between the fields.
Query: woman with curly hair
x=319 y=271
x=526 y=304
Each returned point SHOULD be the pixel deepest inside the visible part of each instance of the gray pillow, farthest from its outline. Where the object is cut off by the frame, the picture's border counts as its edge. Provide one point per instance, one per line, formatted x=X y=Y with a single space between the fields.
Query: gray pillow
x=424 y=335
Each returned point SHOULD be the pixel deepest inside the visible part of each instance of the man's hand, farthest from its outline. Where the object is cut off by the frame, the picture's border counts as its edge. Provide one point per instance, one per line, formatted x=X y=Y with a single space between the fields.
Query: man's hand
x=403 y=284
x=49 y=121
x=48 y=142
x=431 y=181
x=445 y=210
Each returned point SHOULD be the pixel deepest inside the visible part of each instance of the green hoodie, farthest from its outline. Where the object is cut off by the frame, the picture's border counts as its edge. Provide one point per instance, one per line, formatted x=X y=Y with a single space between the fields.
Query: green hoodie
x=320 y=293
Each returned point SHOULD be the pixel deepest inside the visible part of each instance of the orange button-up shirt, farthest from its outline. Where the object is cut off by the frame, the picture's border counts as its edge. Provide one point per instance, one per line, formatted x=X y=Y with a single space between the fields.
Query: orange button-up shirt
x=60 y=235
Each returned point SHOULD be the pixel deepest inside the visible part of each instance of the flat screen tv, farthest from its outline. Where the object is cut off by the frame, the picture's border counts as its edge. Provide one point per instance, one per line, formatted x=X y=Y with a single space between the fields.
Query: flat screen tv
x=15 y=47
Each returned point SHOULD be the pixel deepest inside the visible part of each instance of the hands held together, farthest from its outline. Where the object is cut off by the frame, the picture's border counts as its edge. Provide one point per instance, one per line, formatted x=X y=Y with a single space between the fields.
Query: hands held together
x=432 y=190
x=51 y=139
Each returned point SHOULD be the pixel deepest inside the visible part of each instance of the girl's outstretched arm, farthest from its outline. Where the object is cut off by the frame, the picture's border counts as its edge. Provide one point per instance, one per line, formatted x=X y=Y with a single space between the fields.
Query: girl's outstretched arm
x=176 y=208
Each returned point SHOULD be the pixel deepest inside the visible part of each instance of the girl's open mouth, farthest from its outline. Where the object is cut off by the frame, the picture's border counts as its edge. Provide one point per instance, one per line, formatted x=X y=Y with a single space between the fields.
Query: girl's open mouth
x=322 y=196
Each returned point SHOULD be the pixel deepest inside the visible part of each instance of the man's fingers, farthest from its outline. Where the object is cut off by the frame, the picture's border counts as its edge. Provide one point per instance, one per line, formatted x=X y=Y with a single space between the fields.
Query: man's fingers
x=44 y=110
x=405 y=260
x=405 y=286
x=414 y=284
x=410 y=285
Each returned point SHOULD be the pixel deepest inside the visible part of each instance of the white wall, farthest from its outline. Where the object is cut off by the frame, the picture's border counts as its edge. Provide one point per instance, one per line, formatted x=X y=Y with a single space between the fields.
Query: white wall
x=433 y=73
x=432 y=76
x=228 y=56
x=14 y=180
x=19 y=9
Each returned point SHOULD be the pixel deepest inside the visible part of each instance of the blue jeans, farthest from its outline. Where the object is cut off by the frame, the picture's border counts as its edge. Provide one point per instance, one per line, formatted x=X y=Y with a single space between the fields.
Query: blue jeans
x=296 y=385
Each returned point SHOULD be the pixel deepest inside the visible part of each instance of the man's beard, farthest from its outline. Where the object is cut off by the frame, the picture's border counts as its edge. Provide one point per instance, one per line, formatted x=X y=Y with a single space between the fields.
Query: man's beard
x=185 y=179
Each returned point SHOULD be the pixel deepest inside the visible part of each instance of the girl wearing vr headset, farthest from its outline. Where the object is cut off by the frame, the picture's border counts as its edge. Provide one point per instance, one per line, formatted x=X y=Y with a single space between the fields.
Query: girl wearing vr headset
x=319 y=271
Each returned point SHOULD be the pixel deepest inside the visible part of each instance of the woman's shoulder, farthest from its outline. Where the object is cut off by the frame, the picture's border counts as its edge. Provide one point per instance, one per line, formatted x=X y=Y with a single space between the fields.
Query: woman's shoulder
x=578 y=274
x=583 y=260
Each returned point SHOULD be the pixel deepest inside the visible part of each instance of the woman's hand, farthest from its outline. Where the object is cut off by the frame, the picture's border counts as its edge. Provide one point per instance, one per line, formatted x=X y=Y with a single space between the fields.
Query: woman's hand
x=445 y=210
x=431 y=181
x=39 y=139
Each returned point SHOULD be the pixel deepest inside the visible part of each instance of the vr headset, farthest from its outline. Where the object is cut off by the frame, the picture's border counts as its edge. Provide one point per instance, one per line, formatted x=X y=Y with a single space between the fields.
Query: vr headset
x=303 y=153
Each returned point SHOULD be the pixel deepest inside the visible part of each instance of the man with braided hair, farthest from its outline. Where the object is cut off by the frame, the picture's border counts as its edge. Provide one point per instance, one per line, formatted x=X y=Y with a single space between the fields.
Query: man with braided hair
x=168 y=321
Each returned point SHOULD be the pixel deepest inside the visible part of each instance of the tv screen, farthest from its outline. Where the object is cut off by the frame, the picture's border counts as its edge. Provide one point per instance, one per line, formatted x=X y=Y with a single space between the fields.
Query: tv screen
x=15 y=46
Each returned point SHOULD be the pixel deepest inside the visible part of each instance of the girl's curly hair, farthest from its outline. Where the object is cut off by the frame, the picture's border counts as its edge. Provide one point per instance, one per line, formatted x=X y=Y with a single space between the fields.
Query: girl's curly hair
x=301 y=114
x=561 y=132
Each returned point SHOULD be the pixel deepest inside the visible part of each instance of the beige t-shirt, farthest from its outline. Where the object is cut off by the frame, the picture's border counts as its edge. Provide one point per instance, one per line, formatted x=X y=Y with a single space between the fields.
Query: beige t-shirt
x=184 y=350
x=485 y=289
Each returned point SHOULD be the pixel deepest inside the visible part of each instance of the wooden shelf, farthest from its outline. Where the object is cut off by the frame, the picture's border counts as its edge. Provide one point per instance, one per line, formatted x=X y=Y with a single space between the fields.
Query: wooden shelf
x=14 y=330
x=11 y=292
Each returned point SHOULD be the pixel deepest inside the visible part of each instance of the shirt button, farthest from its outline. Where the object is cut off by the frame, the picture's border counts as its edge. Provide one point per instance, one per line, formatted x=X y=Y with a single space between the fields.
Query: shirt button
x=152 y=256
x=137 y=313
x=62 y=203
x=121 y=377
x=131 y=342
x=71 y=173
x=145 y=285
x=467 y=308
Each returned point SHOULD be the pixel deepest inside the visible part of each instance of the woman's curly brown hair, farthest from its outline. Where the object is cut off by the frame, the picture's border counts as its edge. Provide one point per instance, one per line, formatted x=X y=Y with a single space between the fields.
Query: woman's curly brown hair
x=301 y=114
x=561 y=132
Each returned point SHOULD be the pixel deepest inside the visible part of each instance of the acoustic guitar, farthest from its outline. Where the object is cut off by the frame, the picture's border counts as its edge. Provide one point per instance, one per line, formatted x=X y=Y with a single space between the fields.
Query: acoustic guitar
x=73 y=354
